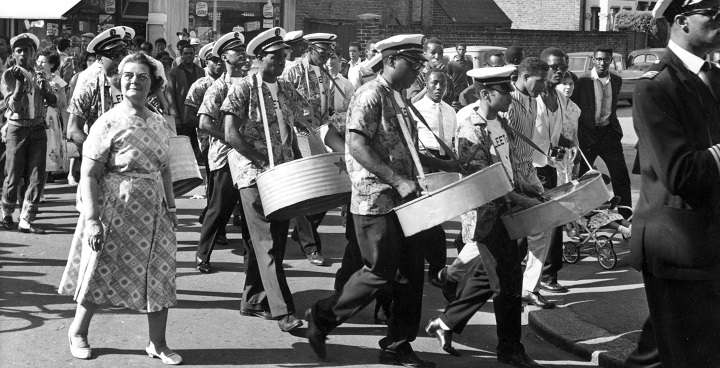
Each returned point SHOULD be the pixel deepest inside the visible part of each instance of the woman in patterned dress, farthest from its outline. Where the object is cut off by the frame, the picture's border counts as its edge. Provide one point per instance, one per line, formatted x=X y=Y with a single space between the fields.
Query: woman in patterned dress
x=123 y=251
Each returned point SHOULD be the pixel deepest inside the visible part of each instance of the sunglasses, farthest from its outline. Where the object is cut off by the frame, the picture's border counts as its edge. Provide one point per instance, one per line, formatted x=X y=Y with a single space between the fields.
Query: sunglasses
x=713 y=12
x=559 y=67
x=114 y=54
x=214 y=59
x=499 y=90
x=323 y=53
x=415 y=64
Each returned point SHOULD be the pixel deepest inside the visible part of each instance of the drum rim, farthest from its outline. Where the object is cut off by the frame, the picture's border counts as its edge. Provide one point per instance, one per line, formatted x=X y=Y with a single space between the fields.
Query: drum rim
x=300 y=160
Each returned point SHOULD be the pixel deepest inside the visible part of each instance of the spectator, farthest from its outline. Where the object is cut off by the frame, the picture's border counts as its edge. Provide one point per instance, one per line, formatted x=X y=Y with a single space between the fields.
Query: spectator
x=180 y=78
x=492 y=60
x=434 y=54
x=457 y=69
x=354 y=60
x=48 y=62
x=341 y=103
x=568 y=169
x=178 y=58
x=67 y=62
x=160 y=46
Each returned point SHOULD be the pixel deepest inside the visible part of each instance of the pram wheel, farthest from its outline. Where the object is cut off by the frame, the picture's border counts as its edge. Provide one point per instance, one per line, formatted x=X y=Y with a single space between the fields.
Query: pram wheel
x=607 y=258
x=571 y=253
x=603 y=241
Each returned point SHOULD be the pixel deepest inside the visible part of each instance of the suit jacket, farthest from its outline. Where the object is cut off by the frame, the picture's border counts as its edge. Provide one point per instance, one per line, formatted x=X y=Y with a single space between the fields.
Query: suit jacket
x=676 y=227
x=584 y=97
x=178 y=87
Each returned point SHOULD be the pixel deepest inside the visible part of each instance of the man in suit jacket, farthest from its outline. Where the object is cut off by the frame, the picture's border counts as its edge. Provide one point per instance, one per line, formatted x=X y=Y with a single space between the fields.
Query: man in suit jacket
x=676 y=228
x=180 y=78
x=599 y=130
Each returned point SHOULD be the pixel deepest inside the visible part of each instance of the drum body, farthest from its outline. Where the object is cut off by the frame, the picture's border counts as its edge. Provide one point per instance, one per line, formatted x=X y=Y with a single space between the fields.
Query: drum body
x=567 y=203
x=452 y=200
x=185 y=171
x=306 y=186
x=437 y=180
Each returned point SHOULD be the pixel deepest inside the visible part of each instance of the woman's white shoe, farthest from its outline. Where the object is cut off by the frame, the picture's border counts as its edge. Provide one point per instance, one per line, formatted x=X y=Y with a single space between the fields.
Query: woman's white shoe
x=170 y=359
x=80 y=353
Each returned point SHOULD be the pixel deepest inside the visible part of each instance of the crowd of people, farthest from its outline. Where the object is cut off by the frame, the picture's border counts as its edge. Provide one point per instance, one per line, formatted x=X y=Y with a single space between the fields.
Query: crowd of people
x=248 y=105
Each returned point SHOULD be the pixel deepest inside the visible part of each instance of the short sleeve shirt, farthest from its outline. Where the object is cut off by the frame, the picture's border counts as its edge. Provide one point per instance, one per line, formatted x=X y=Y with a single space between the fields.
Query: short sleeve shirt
x=211 y=102
x=194 y=99
x=313 y=86
x=87 y=101
x=372 y=114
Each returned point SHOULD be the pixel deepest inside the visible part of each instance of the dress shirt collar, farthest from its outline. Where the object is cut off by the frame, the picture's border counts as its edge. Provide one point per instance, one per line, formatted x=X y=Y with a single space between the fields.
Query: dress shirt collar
x=594 y=75
x=692 y=62
x=427 y=101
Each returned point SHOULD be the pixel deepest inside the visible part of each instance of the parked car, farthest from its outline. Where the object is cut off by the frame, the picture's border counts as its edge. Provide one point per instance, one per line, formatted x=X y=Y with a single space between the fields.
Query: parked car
x=642 y=59
x=582 y=62
x=476 y=54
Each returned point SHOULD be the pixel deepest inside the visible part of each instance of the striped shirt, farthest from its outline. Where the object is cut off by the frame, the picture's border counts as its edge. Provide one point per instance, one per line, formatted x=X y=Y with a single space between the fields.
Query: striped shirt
x=521 y=116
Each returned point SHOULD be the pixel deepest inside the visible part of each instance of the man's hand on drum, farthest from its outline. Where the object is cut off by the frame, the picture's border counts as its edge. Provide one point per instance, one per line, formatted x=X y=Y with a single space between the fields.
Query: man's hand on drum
x=407 y=187
x=531 y=190
x=523 y=201
x=94 y=234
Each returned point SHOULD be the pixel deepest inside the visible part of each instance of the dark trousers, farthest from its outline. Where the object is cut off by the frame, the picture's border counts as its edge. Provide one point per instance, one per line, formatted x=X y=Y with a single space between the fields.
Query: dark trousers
x=221 y=206
x=610 y=150
x=191 y=132
x=646 y=354
x=25 y=157
x=553 y=262
x=385 y=252
x=498 y=275
x=307 y=233
x=266 y=287
x=684 y=321
x=432 y=242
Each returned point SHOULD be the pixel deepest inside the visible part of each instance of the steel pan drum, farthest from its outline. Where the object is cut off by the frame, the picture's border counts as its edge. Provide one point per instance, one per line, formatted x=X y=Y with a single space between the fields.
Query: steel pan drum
x=185 y=171
x=306 y=186
x=437 y=180
x=567 y=203
x=452 y=200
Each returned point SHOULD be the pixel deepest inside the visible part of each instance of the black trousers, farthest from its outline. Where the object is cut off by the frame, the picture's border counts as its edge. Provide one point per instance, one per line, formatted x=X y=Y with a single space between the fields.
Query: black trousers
x=266 y=287
x=222 y=203
x=497 y=274
x=385 y=252
x=307 y=233
x=553 y=262
x=684 y=322
x=191 y=132
x=610 y=150
x=433 y=244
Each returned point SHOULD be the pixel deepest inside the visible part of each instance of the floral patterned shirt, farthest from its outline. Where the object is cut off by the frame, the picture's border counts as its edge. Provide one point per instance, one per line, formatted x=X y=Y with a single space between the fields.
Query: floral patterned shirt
x=87 y=101
x=213 y=99
x=303 y=78
x=194 y=99
x=372 y=114
x=242 y=101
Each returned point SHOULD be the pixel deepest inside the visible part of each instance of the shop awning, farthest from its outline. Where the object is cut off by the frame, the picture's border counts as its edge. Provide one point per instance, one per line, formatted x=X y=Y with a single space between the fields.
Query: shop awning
x=37 y=9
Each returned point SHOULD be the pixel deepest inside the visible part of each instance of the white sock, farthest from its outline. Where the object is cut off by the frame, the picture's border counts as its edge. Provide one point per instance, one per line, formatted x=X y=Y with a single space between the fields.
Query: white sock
x=443 y=325
x=24 y=224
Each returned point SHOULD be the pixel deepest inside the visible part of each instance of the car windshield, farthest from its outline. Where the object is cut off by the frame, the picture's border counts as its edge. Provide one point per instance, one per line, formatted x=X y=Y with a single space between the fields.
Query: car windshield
x=578 y=64
x=617 y=63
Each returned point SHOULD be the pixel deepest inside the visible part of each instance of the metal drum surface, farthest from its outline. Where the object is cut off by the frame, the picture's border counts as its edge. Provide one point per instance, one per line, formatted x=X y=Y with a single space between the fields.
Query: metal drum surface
x=437 y=180
x=567 y=203
x=452 y=200
x=185 y=171
x=306 y=186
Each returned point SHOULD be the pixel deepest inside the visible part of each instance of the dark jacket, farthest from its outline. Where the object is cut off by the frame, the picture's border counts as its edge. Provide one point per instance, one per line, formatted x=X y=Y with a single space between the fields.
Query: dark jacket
x=584 y=97
x=676 y=227
x=178 y=87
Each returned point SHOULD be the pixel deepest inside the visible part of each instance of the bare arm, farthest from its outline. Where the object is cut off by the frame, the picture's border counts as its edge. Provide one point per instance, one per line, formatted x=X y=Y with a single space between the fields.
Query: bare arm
x=438 y=164
x=232 y=126
x=334 y=140
x=75 y=132
x=90 y=174
x=191 y=117
x=207 y=124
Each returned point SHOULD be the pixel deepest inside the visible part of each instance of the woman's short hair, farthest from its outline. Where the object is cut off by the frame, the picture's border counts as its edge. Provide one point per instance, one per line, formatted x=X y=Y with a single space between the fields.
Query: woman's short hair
x=572 y=76
x=52 y=57
x=140 y=58
x=84 y=56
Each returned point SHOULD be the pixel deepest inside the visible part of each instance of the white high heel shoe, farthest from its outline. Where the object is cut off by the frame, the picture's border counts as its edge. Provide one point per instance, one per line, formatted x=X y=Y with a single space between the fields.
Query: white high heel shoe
x=80 y=353
x=170 y=359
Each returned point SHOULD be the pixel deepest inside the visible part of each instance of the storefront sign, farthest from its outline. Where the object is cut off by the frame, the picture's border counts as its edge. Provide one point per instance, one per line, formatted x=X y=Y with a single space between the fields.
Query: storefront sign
x=238 y=29
x=268 y=10
x=201 y=9
x=268 y=23
x=252 y=26
x=110 y=6
x=191 y=22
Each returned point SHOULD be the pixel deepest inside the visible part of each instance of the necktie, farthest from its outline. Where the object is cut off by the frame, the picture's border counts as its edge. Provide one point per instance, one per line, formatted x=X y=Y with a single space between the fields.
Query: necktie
x=708 y=76
x=441 y=130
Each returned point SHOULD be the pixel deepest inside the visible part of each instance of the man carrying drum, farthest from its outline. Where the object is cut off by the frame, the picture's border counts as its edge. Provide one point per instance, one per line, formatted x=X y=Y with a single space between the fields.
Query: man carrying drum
x=382 y=145
x=259 y=128
x=482 y=140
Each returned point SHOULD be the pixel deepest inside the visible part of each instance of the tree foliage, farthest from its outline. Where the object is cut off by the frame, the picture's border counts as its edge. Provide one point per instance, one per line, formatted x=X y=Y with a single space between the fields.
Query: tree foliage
x=643 y=21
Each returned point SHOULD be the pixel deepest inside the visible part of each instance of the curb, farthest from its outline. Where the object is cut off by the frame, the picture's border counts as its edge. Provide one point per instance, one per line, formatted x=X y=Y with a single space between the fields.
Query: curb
x=564 y=329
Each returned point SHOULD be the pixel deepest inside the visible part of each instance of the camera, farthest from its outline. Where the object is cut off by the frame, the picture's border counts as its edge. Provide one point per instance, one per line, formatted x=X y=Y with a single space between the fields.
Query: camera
x=557 y=153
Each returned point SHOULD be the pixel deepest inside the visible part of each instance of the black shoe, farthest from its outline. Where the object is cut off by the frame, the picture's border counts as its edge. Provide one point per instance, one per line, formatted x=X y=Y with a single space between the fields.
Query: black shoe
x=434 y=278
x=264 y=314
x=553 y=287
x=201 y=218
x=32 y=230
x=518 y=359
x=405 y=357
x=315 y=336
x=445 y=337
x=221 y=240
x=316 y=258
x=8 y=223
x=289 y=322
x=449 y=286
x=537 y=300
x=202 y=266
x=237 y=221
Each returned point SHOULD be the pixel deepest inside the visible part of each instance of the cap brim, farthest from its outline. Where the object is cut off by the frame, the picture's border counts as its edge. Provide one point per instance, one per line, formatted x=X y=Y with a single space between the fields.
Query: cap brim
x=234 y=45
x=275 y=47
x=417 y=55
x=114 y=45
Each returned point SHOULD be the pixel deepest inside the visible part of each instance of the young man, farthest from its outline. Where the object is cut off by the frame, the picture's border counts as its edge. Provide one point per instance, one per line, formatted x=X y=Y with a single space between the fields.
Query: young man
x=180 y=78
x=266 y=292
x=675 y=227
x=230 y=50
x=433 y=51
x=341 y=100
x=26 y=94
x=482 y=141
x=355 y=60
x=377 y=125
x=160 y=45
x=312 y=81
x=599 y=131
x=492 y=60
x=67 y=62
x=457 y=69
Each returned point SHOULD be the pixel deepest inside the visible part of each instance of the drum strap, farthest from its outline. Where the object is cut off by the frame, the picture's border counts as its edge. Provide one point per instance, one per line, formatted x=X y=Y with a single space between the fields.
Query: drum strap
x=263 y=112
x=524 y=138
x=442 y=144
x=403 y=120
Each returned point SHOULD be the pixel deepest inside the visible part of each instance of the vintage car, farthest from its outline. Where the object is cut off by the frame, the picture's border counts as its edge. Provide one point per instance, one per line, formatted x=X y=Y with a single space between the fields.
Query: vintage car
x=476 y=54
x=642 y=59
x=582 y=62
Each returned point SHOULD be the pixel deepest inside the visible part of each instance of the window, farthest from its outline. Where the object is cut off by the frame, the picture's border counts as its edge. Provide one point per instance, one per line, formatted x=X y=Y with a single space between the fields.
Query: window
x=595 y=18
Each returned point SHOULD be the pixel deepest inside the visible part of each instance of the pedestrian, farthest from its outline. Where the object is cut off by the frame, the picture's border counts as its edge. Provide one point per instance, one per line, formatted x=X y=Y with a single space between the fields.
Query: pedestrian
x=67 y=62
x=266 y=294
x=341 y=101
x=382 y=181
x=600 y=133
x=160 y=46
x=48 y=63
x=433 y=51
x=123 y=250
x=231 y=51
x=482 y=141
x=675 y=225
x=180 y=78
x=567 y=169
x=354 y=58
x=458 y=68
x=26 y=92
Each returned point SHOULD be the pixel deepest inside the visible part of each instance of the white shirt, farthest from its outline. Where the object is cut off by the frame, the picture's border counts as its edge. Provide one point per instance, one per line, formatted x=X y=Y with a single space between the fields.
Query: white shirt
x=284 y=130
x=547 y=129
x=429 y=110
x=603 y=98
x=692 y=62
x=501 y=144
x=323 y=94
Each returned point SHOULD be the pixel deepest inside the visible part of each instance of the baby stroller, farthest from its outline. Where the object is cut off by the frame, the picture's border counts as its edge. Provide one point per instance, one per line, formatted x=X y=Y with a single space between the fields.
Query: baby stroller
x=584 y=238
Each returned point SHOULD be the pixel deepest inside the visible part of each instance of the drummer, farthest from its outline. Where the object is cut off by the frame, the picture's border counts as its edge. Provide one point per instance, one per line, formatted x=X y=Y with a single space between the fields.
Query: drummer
x=266 y=292
x=382 y=173
x=313 y=81
x=483 y=140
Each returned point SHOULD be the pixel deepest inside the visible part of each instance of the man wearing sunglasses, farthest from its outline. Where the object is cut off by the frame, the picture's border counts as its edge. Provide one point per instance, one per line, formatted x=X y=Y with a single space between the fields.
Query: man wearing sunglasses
x=313 y=81
x=676 y=225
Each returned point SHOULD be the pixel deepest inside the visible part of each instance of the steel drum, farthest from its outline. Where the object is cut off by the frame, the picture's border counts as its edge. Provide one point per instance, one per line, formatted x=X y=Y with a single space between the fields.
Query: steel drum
x=306 y=186
x=454 y=199
x=567 y=203
x=185 y=171
x=437 y=180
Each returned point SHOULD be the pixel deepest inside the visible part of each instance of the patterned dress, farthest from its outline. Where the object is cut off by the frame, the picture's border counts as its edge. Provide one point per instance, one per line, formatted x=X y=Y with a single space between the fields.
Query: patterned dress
x=136 y=267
